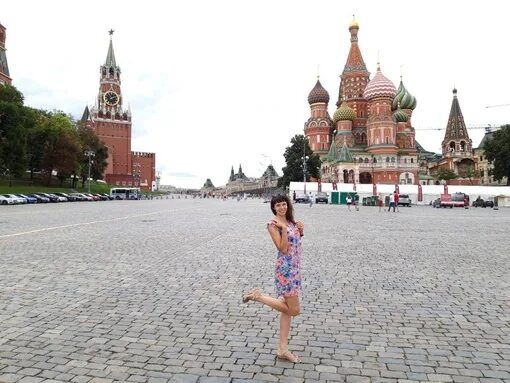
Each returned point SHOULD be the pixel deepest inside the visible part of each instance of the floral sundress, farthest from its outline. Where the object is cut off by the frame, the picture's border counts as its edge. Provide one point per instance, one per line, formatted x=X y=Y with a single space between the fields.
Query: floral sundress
x=288 y=266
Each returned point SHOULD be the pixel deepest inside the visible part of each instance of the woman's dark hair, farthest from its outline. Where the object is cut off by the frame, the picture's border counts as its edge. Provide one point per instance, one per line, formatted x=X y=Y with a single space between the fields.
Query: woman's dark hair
x=283 y=198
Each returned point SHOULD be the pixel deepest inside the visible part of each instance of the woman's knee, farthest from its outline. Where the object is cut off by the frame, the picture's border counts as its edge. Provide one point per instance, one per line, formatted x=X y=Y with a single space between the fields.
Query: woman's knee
x=293 y=306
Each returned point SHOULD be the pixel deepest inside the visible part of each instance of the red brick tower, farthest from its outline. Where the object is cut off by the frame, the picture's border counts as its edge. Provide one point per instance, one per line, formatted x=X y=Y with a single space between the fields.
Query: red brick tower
x=4 y=68
x=354 y=80
x=318 y=128
x=111 y=122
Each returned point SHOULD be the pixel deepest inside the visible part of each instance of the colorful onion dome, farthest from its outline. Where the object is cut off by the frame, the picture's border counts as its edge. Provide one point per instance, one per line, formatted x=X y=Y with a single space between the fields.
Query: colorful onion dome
x=379 y=86
x=318 y=94
x=399 y=115
x=406 y=99
x=344 y=113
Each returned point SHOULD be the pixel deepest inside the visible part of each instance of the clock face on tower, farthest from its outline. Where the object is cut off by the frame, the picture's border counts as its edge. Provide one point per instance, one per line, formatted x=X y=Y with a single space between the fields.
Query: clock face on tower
x=111 y=98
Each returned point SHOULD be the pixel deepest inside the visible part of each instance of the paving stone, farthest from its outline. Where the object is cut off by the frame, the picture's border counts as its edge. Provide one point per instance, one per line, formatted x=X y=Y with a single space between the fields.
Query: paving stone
x=418 y=310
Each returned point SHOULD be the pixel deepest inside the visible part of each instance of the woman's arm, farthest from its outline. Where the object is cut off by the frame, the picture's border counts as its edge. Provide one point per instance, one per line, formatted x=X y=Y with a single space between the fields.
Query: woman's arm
x=279 y=236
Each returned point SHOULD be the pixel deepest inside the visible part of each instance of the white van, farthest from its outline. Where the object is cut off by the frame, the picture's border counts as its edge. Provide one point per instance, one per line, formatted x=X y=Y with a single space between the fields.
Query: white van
x=125 y=193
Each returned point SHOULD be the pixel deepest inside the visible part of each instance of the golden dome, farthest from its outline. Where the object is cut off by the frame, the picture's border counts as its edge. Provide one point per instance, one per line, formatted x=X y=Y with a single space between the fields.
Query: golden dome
x=353 y=23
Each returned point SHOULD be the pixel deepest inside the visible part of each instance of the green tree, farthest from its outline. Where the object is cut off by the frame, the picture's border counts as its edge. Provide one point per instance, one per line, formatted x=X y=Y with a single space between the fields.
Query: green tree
x=62 y=147
x=470 y=173
x=446 y=174
x=497 y=151
x=293 y=171
x=36 y=139
x=13 y=132
x=90 y=141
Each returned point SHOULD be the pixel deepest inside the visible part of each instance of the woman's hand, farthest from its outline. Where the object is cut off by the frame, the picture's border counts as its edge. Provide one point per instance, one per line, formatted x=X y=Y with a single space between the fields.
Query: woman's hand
x=279 y=225
x=301 y=227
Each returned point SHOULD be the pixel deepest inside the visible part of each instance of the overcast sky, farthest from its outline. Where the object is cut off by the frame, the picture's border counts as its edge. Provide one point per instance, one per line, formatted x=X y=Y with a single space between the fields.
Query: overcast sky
x=215 y=84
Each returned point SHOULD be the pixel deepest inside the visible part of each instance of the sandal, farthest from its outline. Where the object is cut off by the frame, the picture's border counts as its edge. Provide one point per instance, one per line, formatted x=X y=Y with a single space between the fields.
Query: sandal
x=287 y=355
x=252 y=295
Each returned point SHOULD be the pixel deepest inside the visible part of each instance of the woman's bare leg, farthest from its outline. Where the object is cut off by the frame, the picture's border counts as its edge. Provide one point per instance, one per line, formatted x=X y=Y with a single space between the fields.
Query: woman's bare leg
x=274 y=303
x=285 y=321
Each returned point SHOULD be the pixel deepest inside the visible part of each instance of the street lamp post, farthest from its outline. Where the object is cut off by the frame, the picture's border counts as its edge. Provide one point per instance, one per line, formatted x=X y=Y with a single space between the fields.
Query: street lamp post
x=373 y=178
x=136 y=168
x=305 y=157
x=89 y=154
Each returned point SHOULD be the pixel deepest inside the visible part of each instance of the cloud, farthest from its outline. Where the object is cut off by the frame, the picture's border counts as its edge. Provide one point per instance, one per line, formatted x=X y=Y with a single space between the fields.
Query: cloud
x=213 y=89
x=181 y=175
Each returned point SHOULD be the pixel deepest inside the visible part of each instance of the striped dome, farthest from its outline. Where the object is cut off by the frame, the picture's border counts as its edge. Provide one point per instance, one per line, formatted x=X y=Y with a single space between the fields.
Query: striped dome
x=400 y=116
x=406 y=99
x=318 y=94
x=344 y=113
x=379 y=86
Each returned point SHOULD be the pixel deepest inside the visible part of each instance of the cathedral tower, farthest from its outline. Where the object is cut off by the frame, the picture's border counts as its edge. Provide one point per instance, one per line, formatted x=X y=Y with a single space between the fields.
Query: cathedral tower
x=318 y=128
x=456 y=140
x=381 y=128
x=353 y=82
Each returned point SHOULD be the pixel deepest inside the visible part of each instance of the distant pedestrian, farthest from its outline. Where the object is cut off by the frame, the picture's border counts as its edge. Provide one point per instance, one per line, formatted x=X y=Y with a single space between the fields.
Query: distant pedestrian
x=311 y=196
x=355 y=202
x=380 y=204
x=396 y=197
x=286 y=234
x=294 y=196
x=392 y=202
x=348 y=200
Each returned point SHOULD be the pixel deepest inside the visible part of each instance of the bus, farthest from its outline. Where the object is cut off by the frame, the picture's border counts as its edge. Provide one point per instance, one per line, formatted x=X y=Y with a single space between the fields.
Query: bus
x=125 y=193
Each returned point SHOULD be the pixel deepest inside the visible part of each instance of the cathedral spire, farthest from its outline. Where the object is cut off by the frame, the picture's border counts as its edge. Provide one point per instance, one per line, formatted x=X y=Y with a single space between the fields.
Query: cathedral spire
x=456 y=137
x=355 y=69
x=456 y=128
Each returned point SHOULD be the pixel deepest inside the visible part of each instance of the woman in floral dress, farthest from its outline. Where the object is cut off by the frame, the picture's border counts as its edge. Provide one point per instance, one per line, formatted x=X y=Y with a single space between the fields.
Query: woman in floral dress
x=286 y=234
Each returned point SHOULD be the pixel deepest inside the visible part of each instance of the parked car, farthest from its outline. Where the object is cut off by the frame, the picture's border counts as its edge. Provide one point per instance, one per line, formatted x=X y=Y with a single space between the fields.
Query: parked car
x=404 y=200
x=100 y=196
x=479 y=202
x=40 y=198
x=28 y=198
x=67 y=196
x=109 y=197
x=51 y=197
x=6 y=200
x=82 y=197
x=17 y=199
x=302 y=198
x=321 y=197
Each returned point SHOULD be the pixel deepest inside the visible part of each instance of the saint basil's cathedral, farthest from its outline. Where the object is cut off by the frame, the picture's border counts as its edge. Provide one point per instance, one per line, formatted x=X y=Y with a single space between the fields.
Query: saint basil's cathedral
x=371 y=139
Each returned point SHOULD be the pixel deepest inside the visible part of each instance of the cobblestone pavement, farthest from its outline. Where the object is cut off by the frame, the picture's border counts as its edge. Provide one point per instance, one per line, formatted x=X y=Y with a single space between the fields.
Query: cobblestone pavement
x=149 y=291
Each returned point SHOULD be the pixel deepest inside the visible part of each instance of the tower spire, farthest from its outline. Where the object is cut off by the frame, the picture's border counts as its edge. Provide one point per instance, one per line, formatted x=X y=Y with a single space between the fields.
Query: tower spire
x=355 y=75
x=456 y=131
x=110 y=57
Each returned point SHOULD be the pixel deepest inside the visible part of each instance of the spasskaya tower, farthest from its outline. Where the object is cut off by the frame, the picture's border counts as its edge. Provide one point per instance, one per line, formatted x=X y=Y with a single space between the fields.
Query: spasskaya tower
x=112 y=124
